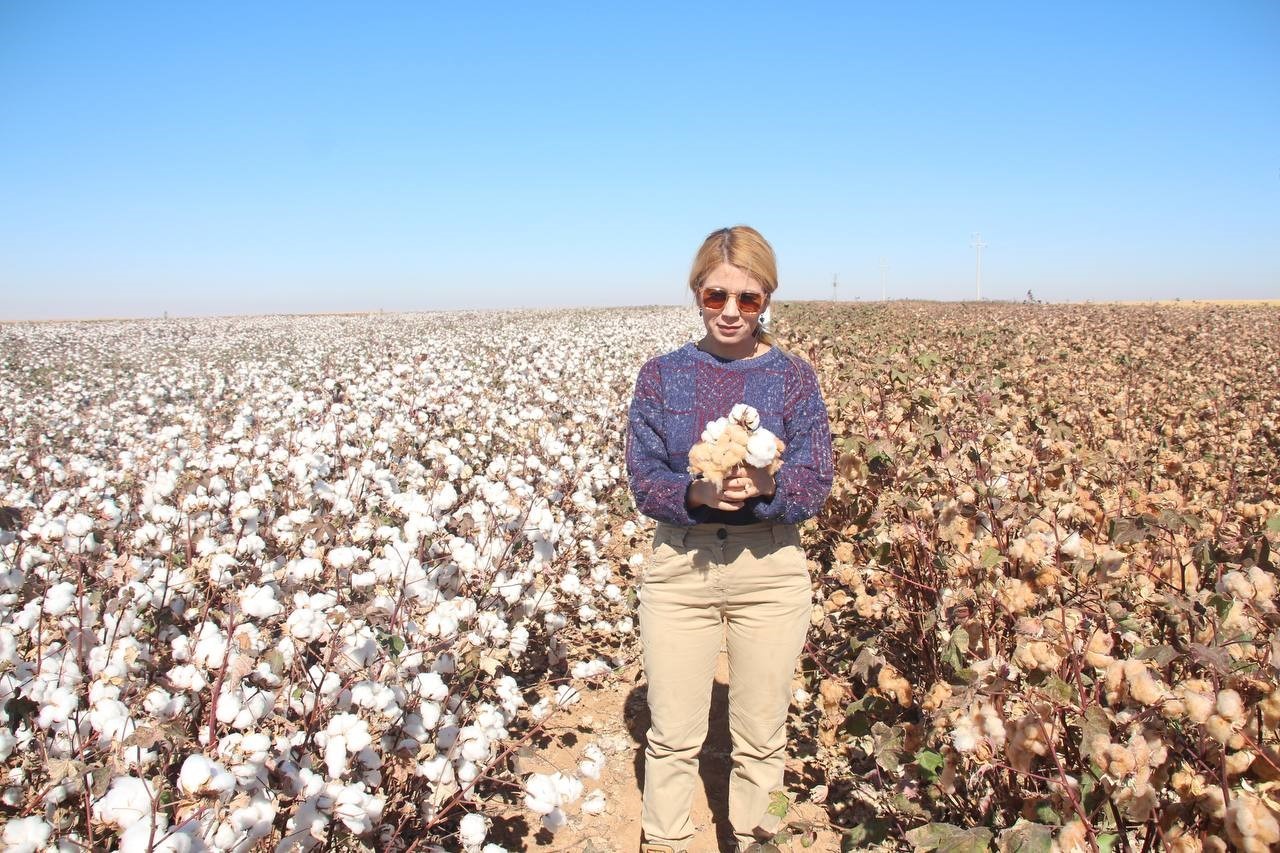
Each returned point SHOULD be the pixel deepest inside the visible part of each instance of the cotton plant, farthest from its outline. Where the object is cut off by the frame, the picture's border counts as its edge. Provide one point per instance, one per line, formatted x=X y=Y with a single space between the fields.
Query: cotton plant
x=732 y=441
x=302 y=593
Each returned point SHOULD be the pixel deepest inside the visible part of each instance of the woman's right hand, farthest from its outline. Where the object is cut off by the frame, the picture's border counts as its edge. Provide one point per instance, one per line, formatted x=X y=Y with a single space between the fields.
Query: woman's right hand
x=705 y=493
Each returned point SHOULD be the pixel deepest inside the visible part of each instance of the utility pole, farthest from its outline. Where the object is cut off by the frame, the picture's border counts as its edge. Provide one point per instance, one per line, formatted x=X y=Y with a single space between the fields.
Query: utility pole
x=833 y=286
x=884 y=266
x=979 y=246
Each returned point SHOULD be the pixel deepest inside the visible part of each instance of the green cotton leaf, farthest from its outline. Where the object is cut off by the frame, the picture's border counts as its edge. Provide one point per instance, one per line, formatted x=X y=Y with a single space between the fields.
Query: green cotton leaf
x=930 y=762
x=1027 y=837
x=957 y=646
x=946 y=838
x=888 y=746
x=1222 y=605
x=779 y=802
x=1058 y=689
x=991 y=557
x=1094 y=725
x=1107 y=841
x=1163 y=655
x=1273 y=523
x=1046 y=812
x=869 y=833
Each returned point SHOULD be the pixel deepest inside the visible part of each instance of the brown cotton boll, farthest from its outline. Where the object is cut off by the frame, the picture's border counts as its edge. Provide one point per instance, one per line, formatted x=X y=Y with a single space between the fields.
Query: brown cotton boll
x=1047 y=578
x=1212 y=803
x=735 y=434
x=1267 y=764
x=1037 y=655
x=1180 y=840
x=1270 y=707
x=1113 y=681
x=1230 y=705
x=1143 y=686
x=1239 y=761
x=1017 y=596
x=1098 y=651
x=1218 y=728
x=1188 y=785
x=1072 y=838
x=1116 y=761
x=1213 y=844
x=937 y=696
x=1251 y=826
x=1199 y=705
x=891 y=683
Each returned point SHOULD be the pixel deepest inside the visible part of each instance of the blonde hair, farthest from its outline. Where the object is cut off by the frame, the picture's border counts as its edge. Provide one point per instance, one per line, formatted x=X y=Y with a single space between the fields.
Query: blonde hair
x=745 y=248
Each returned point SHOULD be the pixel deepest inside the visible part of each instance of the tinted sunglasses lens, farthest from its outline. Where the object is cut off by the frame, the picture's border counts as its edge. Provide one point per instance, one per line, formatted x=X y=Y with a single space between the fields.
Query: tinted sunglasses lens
x=714 y=299
x=750 y=303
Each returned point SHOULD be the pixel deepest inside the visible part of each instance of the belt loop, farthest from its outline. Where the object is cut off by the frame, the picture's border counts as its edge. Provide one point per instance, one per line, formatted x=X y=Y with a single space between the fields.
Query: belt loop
x=681 y=533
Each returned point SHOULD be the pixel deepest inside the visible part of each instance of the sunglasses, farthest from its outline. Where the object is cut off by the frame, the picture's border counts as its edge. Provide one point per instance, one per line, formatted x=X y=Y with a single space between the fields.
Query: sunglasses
x=749 y=302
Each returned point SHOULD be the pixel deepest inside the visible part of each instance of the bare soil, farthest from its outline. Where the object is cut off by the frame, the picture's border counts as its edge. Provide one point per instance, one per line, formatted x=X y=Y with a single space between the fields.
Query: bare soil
x=615 y=717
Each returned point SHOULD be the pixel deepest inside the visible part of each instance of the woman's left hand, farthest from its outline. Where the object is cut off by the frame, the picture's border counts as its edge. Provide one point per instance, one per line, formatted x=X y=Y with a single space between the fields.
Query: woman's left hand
x=746 y=482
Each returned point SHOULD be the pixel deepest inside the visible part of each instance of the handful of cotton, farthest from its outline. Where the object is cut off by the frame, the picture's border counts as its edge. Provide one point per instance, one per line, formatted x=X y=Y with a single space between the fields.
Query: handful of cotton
x=733 y=441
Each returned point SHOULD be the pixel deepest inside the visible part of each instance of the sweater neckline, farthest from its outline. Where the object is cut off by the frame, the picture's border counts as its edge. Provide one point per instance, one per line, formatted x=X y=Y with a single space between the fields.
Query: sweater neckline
x=691 y=351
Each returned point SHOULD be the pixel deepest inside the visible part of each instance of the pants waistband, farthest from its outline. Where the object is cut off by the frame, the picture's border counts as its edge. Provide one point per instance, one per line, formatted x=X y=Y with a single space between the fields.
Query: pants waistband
x=780 y=534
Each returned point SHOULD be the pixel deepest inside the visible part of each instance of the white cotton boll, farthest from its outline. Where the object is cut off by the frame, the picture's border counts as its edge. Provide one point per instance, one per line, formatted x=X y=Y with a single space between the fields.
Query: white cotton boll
x=554 y=820
x=438 y=770
x=80 y=525
x=762 y=449
x=126 y=802
x=625 y=625
x=590 y=669
x=59 y=598
x=519 y=642
x=541 y=794
x=187 y=677
x=201 y=777
x=714 y=429
x=222 y=568
x=629 y=529
x=335 y=756
x=472 y=830
x=260 y=602
x=594 y=802
x=28 y=834
x=307 y=624
x=745 y=416
x=570 y=584
x=540 y=710
x=304 y=569
x=567 y=695
x=592 y=762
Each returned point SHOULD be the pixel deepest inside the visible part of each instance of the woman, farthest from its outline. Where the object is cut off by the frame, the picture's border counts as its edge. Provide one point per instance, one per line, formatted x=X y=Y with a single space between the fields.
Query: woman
x=726 y=562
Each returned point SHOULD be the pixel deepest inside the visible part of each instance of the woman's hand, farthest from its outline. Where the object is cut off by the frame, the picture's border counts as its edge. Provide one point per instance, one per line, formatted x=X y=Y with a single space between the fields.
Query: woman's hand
x=746 y=482
x=704 y=493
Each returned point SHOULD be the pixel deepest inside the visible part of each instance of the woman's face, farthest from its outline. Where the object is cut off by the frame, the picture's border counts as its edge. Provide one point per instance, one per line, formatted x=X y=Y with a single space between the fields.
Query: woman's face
x=729 y=325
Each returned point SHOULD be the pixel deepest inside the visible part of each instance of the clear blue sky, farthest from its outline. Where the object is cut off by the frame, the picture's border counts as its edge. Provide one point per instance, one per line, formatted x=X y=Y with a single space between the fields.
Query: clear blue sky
x=220 y=158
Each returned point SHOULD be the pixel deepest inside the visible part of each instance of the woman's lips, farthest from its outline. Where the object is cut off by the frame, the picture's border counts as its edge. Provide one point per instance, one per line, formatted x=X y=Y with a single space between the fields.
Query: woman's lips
x=728 y=330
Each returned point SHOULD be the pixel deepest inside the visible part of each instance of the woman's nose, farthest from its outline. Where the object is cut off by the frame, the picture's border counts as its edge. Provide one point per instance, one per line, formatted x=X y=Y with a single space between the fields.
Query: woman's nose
x=730 y=307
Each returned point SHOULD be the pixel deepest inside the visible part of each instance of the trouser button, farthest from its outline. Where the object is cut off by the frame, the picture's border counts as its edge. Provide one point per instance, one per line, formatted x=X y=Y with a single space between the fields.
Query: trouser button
x=722 y=533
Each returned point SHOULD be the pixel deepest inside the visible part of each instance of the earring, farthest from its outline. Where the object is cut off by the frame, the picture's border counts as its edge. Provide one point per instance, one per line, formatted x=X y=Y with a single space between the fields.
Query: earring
x=699 y=312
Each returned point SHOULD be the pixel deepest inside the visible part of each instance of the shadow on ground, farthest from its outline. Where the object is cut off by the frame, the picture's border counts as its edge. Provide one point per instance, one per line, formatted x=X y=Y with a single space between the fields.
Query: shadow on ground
x=714 y=759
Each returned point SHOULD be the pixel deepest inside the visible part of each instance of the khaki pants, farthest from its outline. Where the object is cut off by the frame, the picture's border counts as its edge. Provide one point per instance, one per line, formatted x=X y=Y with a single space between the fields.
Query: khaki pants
x=751 y=584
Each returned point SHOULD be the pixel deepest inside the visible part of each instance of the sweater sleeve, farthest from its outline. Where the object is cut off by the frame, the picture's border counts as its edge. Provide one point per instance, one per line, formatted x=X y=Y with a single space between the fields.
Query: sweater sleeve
x=803 y=482
x=659 y=491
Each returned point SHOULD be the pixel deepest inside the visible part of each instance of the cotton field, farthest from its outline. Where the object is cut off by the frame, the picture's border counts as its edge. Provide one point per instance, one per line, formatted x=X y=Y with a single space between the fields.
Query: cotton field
x=291 y=583
x=280 y=581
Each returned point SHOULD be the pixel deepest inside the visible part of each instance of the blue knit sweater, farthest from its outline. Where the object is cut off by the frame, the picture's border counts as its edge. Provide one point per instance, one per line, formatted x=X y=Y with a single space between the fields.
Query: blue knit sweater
x=677 y=394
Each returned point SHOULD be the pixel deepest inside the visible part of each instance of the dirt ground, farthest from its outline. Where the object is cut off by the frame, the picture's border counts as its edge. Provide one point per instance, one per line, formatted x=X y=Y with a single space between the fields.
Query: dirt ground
x=615 y=717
